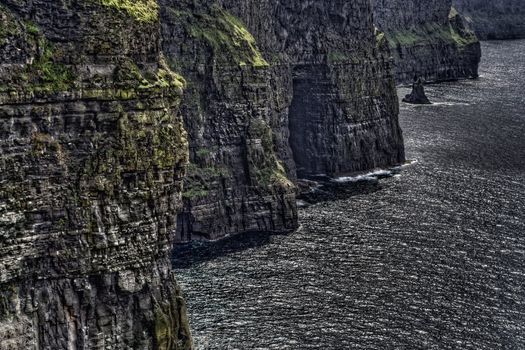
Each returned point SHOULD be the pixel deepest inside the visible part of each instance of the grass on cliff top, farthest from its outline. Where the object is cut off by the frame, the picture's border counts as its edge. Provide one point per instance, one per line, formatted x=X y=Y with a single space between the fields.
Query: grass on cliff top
x=225 y=33
x=430 y=32
x=141 y=10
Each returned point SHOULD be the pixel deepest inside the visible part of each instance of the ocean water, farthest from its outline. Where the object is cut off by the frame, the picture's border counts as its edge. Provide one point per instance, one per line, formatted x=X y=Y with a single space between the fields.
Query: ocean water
x=430 y=257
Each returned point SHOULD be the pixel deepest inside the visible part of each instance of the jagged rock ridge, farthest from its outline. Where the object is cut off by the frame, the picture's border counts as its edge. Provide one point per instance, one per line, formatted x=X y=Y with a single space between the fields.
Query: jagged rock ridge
x=92 y=154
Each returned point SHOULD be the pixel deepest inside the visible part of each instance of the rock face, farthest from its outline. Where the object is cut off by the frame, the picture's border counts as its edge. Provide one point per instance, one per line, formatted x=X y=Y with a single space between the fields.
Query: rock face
x=95 y=184
x=276 y=89
x=429 y=39
x=237 y=181
x=495 y=19
x=92 y=154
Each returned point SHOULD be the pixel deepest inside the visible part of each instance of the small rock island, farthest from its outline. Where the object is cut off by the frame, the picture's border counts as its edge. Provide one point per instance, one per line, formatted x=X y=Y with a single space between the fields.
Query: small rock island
x=417 y=96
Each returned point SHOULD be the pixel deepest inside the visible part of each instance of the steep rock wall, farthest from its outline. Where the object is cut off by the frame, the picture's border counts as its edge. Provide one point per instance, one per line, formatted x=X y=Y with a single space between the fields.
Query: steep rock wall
x=92 y=154
x=428 y=39
x=276 y=89
x=343 y=114
x=236 y=181
x=495 y=19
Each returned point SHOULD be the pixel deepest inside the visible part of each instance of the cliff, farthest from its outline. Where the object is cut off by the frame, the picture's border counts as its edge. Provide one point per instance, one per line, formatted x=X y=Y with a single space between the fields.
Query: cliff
x=429 y=39
x=105 y=162
x=92 y=154
x=276 y=90
x=236 y=181
x=495 y=19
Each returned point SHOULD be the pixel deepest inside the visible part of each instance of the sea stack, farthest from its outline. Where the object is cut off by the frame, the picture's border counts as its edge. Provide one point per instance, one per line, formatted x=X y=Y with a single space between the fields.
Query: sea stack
x=417 y=96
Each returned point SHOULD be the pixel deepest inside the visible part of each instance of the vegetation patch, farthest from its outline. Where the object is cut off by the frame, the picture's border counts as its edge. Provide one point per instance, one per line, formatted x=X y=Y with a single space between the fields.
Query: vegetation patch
x=169 y=325
x=141 y=10
x=266 y=167
x=198 y=179
x=47 y=74
x=431 y=33
x=44 y=144
x=128 y=74
x=336 y=56
x=380 y=36
x=146 y=143
x=9 y=25
x=225 y=34
x=43 y=73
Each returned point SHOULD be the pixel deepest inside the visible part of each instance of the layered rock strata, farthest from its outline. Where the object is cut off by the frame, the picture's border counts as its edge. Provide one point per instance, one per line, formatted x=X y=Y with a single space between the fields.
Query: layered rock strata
x=495 y=19
x=343 y=112
x=92 y=154
x=276 y=89
x=428 y=39
x=236 y=182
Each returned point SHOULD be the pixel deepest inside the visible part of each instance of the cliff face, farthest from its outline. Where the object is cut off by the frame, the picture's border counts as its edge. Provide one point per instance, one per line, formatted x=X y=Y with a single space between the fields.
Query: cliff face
x=428 y=39
x=343 y=112
x=495 y=19
x=95 y=184
x=276 y=89
x=236 y=181
x=92 y=150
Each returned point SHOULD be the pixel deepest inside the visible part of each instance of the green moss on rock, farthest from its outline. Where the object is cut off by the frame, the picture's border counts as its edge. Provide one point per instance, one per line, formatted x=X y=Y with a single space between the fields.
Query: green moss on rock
x=266 y=167
x=47 y=74
x=147 y=142
x=431 y=33
x=224 y=33
x=141 y=10
x=9 y=25
x=170 y=329
x=198 y=179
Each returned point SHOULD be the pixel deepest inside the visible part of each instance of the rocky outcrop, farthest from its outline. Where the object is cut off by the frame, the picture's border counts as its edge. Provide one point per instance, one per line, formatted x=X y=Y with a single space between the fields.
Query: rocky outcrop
x=92 y=154
x=417 y=96
x=495 y=19
x=276 y=89
x=428 y=39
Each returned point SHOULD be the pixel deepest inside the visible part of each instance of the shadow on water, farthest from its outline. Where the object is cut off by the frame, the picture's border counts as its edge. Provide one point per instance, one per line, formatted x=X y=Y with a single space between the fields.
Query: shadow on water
x=333 y=189
x=325 y=190
x=187 y=255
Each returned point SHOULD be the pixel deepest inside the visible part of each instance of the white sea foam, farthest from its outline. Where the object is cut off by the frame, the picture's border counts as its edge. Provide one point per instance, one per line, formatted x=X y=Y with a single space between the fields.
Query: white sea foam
x=374 y=175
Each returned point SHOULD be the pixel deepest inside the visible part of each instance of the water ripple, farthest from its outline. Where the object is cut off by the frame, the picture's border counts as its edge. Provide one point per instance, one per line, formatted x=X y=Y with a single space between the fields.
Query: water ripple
x=431 y=259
